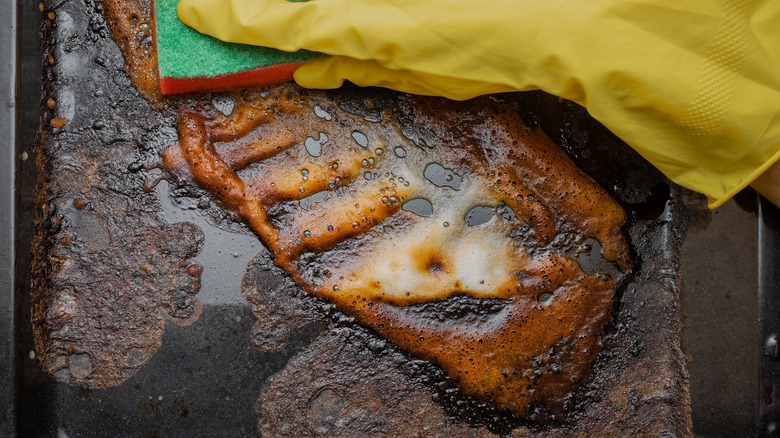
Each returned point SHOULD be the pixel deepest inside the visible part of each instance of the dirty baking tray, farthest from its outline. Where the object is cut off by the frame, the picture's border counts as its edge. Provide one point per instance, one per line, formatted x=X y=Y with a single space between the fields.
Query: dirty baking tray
x=205 y=378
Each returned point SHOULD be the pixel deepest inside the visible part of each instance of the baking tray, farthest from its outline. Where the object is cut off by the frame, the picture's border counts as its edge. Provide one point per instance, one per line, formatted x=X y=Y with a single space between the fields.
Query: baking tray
x=223 y=374
x=205 y=378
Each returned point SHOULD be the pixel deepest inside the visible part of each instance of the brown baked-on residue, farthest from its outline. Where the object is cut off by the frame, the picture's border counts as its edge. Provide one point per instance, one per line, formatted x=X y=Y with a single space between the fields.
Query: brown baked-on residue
x=361 y=216
x=422 y=202
x=132 y=28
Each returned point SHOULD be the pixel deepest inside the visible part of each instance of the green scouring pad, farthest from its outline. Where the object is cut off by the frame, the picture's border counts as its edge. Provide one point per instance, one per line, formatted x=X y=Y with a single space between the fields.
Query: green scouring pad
x=190 y=61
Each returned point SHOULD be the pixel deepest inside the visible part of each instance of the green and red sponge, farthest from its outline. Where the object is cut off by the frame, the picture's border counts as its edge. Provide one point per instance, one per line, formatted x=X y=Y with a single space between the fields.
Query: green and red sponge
x=190 y=61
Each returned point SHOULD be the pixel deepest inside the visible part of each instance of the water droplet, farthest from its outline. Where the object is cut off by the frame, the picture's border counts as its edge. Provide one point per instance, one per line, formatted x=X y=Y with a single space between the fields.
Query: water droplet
x=379 y=151
x=314 y=147
x=446 y=224
x=519 y=198
x=371 y=160
x=321 y=113
x=545 y=297
x=367 y=175
x=224 y=104
x=360 y=138
x=336 y=287
x=330 y=227
x=441 y=176
x=364 y=162
x=419 y=206
x=479 y=215
x=400 y=152
x=355 y=224
x=307 y=202
x=304 y=172
x=307 y=233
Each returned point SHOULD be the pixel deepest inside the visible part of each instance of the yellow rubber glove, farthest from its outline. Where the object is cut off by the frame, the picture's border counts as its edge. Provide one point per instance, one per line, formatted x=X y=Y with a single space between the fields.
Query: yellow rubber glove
x=693 y=85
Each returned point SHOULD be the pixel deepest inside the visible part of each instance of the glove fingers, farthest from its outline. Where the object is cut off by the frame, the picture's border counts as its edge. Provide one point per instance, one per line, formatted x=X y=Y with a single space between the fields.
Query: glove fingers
x=272 y=23
x=324 y=26
x=331 y=72
x=358 y=29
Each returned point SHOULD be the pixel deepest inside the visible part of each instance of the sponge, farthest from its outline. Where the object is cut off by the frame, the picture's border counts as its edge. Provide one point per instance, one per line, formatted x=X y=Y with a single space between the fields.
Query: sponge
x=189 y=61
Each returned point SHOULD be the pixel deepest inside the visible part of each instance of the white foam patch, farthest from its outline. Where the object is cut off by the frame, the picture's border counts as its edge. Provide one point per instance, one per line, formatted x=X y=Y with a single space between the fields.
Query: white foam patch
x=479 y=261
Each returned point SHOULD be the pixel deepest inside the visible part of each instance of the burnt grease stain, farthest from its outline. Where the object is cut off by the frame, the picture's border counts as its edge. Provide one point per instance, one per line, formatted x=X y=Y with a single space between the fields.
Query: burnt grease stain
x=450 y=394
x=307 y=249
x=508 y=349
x=460 y=408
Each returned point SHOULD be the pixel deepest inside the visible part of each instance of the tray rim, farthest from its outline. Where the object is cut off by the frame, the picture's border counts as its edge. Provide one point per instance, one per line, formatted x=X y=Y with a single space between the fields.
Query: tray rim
x=9 y=52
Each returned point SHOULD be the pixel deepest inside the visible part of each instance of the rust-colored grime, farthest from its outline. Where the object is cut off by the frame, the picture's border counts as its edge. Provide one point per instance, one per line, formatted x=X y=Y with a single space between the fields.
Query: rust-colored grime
x=132 y=28
x=330 y=196
x=356 y=246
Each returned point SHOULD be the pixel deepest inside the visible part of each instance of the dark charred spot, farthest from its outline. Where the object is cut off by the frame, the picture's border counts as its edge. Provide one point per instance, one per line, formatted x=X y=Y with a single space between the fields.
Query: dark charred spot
x=434 y=264
x=194 y=270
